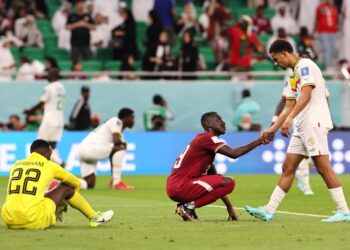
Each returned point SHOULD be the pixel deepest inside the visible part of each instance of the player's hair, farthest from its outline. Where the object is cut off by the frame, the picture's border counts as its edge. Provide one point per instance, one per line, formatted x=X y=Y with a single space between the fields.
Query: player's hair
x=124 y=112
x=157 y=99
x=38 y=144
x=206 y=116
x=281 y=45
x=246 y=93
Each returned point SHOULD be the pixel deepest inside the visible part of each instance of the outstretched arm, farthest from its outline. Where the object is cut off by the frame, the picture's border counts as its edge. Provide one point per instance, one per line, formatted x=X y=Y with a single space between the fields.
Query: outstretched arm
x=237 y=152
x=290 y=103
x=39 y=105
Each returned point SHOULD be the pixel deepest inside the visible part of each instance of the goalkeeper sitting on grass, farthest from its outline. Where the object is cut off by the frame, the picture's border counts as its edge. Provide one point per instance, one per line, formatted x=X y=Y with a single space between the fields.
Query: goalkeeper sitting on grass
x=28 y=207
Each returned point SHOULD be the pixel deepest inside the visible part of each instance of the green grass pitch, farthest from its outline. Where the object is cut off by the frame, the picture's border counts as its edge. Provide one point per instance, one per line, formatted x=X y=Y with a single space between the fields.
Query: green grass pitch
x=145 y=219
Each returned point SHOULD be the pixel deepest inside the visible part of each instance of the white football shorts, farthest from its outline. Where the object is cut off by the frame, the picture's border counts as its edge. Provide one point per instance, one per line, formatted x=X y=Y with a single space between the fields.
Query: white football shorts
x=310 y=142
x=50 y=133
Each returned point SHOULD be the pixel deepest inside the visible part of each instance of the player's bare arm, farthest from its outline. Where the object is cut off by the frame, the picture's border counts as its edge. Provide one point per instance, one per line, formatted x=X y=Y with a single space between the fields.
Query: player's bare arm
x=39 y=105
x=279 y=109
x=303 y=100
x=118 y=143
x=237 y=152
x=290 y=103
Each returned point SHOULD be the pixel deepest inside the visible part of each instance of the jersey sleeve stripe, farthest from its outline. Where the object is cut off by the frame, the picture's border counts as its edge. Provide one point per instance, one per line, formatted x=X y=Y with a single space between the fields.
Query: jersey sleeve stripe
x=204 y=184
x=308 y=84
x=223 y=144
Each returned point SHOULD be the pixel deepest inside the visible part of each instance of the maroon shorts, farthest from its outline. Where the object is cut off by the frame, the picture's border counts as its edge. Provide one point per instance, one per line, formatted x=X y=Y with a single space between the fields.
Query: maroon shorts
x=192 y=189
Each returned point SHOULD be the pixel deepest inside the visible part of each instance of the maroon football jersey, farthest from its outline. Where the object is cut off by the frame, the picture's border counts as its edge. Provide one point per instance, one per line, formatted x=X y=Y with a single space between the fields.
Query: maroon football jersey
x=195 y=159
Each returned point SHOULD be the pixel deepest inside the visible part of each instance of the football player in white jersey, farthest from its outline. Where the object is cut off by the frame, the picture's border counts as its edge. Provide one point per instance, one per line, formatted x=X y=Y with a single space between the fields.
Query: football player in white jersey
x=51 y=127
x=307 y=106
x=106 y=141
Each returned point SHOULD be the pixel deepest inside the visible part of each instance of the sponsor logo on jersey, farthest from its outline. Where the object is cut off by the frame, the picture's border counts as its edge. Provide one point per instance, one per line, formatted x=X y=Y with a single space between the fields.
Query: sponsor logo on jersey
x=215 y=139
x=311 y=142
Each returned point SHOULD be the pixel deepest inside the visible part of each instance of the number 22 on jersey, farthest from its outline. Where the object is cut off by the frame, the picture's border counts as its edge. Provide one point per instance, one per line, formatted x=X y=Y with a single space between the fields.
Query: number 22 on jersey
x=179 y=159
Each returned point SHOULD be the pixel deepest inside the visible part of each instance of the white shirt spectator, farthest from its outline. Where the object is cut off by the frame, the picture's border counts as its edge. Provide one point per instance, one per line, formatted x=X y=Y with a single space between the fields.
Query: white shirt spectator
x=25 y=72
x=141 y=8
x=101 y=36
x=110 y=9
x=7 y=62
x=307 y=14
x=285 y=21
x=26 y=30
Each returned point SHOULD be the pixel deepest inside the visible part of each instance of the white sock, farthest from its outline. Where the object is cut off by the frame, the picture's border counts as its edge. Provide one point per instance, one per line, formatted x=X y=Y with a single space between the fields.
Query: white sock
x=276 y=198
x=117 y=165
x=338 y=197
x=191 y=205
x=55 y=157
x=83 y=184
x=303 y=174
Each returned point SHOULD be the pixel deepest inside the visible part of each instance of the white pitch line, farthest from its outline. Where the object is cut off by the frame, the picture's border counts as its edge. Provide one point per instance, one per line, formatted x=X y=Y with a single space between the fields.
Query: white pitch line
x=279 y=212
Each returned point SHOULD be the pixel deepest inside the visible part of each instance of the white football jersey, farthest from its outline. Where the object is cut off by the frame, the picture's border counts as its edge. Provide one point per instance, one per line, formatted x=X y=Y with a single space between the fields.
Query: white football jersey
x=103 y=134
x=316 y=113
x=53 y=98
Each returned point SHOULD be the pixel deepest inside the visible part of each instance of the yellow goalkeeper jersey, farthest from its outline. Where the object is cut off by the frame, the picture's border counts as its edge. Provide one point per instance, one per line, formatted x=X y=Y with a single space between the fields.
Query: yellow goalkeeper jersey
x=28 y=181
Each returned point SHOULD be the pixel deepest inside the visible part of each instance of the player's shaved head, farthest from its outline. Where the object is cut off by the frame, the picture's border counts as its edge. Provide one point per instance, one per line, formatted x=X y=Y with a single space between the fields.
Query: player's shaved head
x=206 y=117
x=41 y=147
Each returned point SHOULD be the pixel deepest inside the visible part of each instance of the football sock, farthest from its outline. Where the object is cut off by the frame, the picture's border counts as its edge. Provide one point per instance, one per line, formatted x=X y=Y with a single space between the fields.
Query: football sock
x=303 y=174
x=117 y=164
x=55 y=157
x=190 y=205
x=276 y=198
x=83 y=184
x=80 y=203
x=338 y=197
x=213 y=195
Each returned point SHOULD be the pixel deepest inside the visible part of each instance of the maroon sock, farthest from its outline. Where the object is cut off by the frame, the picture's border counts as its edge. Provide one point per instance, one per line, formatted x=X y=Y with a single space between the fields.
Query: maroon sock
x=215 y=194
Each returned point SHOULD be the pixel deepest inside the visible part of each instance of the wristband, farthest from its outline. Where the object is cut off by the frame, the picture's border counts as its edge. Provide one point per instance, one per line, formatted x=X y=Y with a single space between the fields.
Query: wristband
x=274 y=118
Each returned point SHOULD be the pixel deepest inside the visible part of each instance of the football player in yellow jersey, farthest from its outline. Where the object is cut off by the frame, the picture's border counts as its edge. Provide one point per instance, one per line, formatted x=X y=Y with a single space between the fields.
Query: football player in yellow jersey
x=27 y=205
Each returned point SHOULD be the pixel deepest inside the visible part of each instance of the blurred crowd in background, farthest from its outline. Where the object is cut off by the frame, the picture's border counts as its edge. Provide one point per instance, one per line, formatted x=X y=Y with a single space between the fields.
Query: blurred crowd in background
x=105 y=36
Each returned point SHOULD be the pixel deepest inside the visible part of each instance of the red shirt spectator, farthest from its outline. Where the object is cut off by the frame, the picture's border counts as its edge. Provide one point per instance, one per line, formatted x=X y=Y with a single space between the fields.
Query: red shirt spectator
x=218 y=14
x=261 y=23
x=326 y=17
x=241 y=43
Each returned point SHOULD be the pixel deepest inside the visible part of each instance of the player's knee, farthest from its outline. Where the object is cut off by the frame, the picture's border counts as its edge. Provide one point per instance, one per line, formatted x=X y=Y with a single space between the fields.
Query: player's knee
x=90 y=180
x=287 y=169
x=229 y=183
x=68 y=190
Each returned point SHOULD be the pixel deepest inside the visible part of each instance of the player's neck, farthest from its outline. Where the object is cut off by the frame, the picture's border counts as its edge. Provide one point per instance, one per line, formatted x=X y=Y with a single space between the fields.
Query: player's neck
x=294 y=60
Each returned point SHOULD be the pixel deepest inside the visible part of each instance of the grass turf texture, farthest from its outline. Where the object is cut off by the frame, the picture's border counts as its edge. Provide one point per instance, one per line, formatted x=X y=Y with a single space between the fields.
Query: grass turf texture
x=144 y=219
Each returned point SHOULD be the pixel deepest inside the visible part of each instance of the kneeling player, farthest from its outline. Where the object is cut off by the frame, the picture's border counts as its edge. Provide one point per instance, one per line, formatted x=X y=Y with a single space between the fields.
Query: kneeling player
x=193 y=181
x=27 y=207
x=106 y=141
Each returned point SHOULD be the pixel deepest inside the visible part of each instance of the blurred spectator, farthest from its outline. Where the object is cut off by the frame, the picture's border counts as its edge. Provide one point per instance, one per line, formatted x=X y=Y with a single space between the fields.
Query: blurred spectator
x=345 y=49
x=306 y=14
x=59 y=21
x=33 y=10
x=261 y=23
x=203 y=19
x=50 y=63
x=101 y=36
x=257 y=3
x=103 y=76
x=326 y=27
x=218 y=15
x=5 y=25
x=80 y=116
x=34 y=119
x=222 y=50
x=128 y=65
x=166 y=10
x=188 y=20
x=281 y=34
x=14 y=124
x=154 y=29
x=344 y=67
x=90 y=8
x=155 y=117
x=159 y=57
x=242 y=39
x=110 y=9
x=94 y=121
x=7 y=62
x=124 y=37
x=283 y=19
x=246 y=124
x=80 y=25
x=189 y=56
x=41 y=6
x=306 y=44
x=26 y=29
x=77 y=67
x=246 y=106
x=141 y=9
x=25 y=71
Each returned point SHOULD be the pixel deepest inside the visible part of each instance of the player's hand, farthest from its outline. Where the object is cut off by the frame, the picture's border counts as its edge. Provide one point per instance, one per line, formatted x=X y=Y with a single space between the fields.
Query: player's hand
x=231 y=213
x=286 y=127
x=267 y=136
